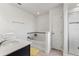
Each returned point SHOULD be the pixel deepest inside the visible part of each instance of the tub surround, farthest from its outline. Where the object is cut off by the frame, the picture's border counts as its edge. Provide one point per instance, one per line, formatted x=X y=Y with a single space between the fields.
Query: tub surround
x=9 y=48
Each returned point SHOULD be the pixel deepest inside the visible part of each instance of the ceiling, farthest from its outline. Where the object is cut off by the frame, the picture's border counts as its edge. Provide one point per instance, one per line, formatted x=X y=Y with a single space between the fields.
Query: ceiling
x=36 y=8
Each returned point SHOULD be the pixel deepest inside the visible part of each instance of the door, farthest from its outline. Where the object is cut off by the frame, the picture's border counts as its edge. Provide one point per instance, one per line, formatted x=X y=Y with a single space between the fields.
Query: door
x=57 y=27
x=74 y=39
x=57 y=37
x=74 y=33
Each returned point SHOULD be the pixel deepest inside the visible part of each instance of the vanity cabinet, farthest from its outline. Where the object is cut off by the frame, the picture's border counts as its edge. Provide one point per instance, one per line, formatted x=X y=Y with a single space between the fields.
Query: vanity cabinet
x=25 y=51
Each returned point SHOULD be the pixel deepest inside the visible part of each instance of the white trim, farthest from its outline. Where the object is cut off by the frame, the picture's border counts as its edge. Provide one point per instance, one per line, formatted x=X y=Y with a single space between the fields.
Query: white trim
x=65 y=52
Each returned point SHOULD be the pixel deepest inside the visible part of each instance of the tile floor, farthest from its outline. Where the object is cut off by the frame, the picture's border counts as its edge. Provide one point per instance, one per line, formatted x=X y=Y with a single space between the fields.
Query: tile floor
x=53 y=52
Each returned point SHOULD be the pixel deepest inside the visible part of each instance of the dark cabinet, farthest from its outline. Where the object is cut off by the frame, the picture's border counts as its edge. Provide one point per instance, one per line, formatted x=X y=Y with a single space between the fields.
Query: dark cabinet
x=21 y=52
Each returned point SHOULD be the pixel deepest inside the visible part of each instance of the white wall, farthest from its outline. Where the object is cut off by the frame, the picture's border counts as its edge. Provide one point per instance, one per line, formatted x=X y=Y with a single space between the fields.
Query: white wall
x=57 y=27
x=42 y=23
x=8 y=14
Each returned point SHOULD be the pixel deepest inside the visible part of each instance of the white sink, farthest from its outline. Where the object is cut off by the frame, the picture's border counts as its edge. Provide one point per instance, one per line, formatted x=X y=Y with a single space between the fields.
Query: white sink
x=9 y=43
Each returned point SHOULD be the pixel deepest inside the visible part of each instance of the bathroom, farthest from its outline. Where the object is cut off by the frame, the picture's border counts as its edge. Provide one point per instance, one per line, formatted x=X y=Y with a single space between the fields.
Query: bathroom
x=40 y=28
x=20 y=19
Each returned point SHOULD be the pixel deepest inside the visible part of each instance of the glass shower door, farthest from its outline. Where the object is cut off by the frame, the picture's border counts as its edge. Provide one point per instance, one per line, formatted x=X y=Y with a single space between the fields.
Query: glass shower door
x=73 y=33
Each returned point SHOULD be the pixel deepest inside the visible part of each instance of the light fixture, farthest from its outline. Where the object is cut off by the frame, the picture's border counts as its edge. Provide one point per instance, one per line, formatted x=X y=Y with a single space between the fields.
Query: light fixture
x=38 y=12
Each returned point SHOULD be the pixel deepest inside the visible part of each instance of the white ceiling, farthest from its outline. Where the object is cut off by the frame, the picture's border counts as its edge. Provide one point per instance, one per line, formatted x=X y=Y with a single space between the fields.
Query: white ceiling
x=37 y=8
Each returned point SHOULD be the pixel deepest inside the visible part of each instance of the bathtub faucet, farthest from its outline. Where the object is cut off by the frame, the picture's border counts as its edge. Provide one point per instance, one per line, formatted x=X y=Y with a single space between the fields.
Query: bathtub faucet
x=30 y=38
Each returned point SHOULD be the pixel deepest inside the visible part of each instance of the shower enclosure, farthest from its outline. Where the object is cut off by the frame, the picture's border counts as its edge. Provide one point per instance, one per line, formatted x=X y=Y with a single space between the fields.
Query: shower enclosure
x=73 y=29
x=40 y=40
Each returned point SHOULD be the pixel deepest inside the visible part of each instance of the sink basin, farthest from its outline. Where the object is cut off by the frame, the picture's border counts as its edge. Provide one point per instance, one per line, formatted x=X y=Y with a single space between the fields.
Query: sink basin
x=9 y=43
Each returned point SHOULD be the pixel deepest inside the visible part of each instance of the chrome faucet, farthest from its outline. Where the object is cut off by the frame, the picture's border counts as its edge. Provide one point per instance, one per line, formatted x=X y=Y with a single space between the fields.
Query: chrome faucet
x=2 y=42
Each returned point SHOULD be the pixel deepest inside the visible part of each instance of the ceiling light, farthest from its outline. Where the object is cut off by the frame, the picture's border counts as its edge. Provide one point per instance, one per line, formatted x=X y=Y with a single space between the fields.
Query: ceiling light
x=38 y=13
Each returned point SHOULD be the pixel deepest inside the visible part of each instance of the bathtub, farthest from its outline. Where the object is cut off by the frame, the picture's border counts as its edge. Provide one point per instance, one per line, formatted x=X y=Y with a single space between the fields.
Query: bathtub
x=41 y=41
